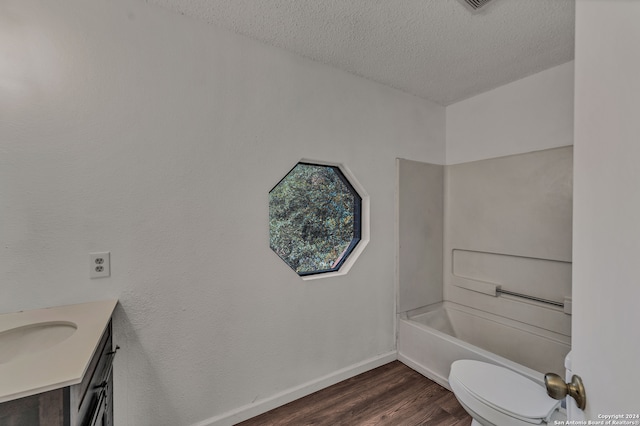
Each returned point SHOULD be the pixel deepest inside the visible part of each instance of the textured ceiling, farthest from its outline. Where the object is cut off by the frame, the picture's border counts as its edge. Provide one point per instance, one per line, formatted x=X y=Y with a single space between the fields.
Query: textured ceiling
x=436 y=49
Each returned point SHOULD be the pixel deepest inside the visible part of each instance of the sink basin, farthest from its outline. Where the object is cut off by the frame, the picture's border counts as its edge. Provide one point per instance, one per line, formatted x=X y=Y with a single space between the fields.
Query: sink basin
x=33 y=338
x=49 y=348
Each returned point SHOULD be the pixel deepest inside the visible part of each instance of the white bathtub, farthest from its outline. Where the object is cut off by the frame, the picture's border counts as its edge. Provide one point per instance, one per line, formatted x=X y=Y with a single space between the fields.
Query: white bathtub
x=431 y=338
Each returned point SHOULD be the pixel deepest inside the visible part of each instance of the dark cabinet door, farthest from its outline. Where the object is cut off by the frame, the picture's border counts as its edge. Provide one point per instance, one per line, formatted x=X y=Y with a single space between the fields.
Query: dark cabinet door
x=48 y=408
x=23 y=411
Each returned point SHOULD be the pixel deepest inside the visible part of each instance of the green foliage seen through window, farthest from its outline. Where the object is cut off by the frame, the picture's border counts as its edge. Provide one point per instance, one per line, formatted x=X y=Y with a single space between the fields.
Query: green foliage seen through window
x=314 y=218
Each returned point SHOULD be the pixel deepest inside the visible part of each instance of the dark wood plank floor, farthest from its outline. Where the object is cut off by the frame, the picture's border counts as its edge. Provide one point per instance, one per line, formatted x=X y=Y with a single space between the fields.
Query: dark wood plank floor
x=389 y=395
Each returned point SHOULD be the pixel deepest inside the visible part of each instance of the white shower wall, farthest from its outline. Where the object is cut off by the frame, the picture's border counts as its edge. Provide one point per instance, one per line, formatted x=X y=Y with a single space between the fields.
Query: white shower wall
x=509 y=224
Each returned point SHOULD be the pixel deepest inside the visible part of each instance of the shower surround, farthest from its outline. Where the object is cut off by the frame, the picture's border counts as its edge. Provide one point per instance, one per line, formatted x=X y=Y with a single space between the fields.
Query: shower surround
x=502 y=291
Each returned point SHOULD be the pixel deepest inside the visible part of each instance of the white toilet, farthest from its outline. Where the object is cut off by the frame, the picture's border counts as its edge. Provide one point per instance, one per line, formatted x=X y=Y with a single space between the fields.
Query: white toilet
x=496 y=396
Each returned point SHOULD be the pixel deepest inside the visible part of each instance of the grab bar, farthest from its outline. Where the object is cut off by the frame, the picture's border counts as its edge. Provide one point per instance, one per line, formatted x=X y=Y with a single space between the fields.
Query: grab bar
x=526 y=296
x=494 y=290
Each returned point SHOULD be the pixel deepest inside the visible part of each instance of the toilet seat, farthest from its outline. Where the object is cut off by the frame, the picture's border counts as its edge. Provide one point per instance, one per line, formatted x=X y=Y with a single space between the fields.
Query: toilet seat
x=479 y=384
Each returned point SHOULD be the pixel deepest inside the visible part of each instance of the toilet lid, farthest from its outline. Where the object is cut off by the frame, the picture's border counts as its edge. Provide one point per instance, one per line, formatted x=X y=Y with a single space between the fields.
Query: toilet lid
x=504 y=390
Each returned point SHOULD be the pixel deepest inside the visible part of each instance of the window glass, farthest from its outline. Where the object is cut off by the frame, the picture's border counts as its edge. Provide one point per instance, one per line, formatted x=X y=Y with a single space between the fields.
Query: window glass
x=314 y=218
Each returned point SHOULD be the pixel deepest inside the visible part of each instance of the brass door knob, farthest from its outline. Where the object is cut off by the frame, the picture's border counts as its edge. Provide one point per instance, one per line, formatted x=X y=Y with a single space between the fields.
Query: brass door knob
x=558 y=389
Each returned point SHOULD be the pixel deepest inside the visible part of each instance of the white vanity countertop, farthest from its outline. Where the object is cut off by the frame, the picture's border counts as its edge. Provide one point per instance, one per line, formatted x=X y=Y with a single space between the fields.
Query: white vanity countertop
x=60 y=365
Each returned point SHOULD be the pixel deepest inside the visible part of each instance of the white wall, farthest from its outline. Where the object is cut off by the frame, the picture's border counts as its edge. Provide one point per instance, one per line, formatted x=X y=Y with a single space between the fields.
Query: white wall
x=606 y=242
x=530 y=114
x=131 y=129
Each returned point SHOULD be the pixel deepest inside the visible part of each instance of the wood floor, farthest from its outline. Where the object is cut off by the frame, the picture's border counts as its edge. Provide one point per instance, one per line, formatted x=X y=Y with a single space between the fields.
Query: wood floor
x=389 y=395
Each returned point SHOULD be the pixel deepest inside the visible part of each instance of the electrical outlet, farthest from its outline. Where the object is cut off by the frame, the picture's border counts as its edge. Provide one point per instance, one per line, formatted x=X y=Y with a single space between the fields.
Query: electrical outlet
x=100 y=264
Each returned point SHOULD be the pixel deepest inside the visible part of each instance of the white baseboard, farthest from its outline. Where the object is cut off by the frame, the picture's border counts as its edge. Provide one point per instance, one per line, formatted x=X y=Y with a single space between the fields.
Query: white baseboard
x=262 y=406
x=428 y=373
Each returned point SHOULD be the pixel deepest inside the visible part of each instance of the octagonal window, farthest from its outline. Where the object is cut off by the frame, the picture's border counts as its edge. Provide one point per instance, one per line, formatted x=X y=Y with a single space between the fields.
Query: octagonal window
x=314 y=218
